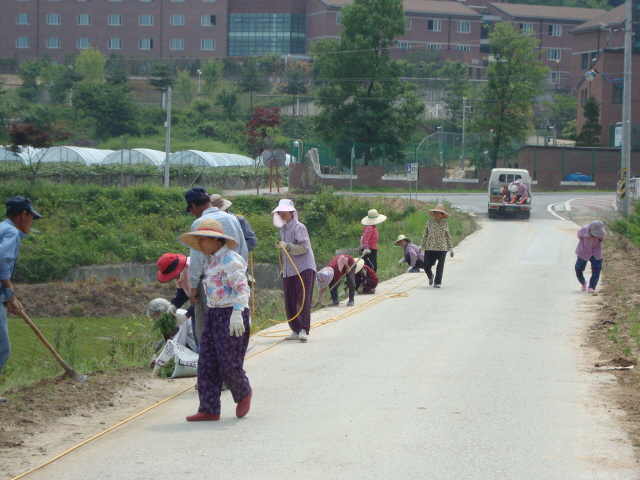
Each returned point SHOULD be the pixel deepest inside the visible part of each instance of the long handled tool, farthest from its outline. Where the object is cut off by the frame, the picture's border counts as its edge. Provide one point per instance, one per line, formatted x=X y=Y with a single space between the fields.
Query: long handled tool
x=78 y=377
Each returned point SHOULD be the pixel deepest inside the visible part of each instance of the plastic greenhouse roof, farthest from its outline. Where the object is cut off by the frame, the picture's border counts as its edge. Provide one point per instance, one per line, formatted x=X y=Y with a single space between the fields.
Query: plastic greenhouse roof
x=137 y=156
x=24 y=156
x=209 y=159
x=88 y=156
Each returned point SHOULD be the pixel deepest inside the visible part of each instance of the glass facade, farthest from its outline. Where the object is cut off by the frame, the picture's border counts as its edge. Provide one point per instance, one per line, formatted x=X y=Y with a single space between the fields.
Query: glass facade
x=263 y=33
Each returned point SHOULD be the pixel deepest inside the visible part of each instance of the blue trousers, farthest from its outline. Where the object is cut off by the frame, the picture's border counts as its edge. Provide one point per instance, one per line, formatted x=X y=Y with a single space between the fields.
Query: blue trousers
x=596 y=267
x=5 y=345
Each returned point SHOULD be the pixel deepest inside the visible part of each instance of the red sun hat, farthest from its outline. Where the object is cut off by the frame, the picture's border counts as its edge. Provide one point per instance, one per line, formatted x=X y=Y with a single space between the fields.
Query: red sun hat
x=170 y=265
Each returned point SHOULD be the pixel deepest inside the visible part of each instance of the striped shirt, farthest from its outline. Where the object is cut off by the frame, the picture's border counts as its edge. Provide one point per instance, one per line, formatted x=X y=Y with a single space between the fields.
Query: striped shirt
x=369 y=238
x=296 y=233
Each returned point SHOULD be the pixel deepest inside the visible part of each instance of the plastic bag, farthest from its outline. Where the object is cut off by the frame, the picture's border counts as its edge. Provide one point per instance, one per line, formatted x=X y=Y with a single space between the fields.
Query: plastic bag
x=185 y=360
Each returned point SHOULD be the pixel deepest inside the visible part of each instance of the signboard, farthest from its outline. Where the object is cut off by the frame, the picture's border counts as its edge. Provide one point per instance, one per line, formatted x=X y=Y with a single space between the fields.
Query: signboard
x=412 y=172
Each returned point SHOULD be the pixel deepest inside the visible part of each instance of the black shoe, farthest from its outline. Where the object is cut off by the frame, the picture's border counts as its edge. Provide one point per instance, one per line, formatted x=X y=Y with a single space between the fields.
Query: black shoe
x=430 y=281
x=414 y=270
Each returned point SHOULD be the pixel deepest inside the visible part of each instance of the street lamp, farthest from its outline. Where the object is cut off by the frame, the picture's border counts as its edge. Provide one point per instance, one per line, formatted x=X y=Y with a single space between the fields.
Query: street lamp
x=464 y=112
x=199 y=73
x=298 y=143
x=591 y=74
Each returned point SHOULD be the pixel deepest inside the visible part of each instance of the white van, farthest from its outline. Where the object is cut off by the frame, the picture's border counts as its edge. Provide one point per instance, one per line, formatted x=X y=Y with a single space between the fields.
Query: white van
x=499 y=194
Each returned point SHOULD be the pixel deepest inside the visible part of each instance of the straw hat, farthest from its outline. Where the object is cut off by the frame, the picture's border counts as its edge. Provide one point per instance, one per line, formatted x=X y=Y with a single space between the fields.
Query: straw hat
x=439 y=208
x=359 y=265
x=400 y=238
x=219 y=202
x=373 y=218
x=324 y=277
x=170 y=265
x=284 y=205
x=207 y=228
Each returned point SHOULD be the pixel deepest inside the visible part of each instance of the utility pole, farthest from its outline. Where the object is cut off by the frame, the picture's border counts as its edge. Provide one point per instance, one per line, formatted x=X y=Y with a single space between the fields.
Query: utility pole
x=626 y=111
x=167 y=126
x=464 y=116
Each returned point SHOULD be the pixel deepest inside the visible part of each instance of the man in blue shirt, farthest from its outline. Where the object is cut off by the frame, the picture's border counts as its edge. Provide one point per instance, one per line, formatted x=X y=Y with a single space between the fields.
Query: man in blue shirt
x=20 y=215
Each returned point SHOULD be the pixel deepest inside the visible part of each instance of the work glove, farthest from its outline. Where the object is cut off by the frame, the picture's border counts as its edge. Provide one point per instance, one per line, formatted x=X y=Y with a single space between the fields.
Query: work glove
x=366 y=252
x=280 y=244
x=401 y=261
x=236 y=325
x=451 y=252
x=172 y=310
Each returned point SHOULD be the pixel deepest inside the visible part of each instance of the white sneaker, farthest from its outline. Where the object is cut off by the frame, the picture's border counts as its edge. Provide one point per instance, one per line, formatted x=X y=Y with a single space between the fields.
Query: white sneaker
x=302 y=336
x=293 y=336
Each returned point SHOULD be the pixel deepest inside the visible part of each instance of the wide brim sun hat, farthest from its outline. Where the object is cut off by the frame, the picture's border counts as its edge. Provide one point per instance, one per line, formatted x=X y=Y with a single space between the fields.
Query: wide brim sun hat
x=284 y=205
x=207 y=228
x=324 y=277
x=439 y=208
x=596 y=229
x=170 y=265
x=219 y=202
x=373 y=218
x=400 y=238
x=359 y=265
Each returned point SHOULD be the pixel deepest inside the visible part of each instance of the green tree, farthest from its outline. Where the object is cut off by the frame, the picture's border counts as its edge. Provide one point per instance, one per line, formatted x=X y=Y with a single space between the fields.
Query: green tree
x=252 y=79
x=561 y=111
x=59 y=79
x=297 y=78
x=505 y=102
x=186 y=86
x=116 y=73
x=364 y=99
x=90 y=63
x=456 y=86
x=591 y=130
x=29 y=73
x=160 y=76
x=111 y=107
x=211 y=74
x=228 y=102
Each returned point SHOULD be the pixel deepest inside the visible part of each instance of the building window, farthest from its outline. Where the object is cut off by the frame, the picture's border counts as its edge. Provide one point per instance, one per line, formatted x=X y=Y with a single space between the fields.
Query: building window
x=526 y=28
x=53 y=19
x=208 y=20
x=408 y=24
x=478 y=73
x=84 y=19
x=584 y=62
x=83 y=43
x=145 y=44
x=114 y=20
x=22 y=19
x=553 y=54
x=404 y=45
x=555 y=30
x=470 y=72
x=338 y=19
x=176 y=20
x=22 y=42
x=145 y=20
x=434 y=25
x=463 y=48
x=176 y=44
x=464 y=27
x=53 y=42
x=207 y=44
x=114 y=44
x=265 y=33
x=433 y=46
x=616 y=97
x=553 y=77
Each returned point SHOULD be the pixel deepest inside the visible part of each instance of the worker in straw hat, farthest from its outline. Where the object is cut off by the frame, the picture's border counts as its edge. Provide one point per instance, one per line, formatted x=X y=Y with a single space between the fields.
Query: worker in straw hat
x=340 y=266
x=369 y=238
x=225 y=336
x=436 y=242
x=366 y=279
x=412 y=254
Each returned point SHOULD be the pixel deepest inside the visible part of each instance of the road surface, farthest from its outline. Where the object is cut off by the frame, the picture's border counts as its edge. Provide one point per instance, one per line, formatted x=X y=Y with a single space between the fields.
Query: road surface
x=485 y=378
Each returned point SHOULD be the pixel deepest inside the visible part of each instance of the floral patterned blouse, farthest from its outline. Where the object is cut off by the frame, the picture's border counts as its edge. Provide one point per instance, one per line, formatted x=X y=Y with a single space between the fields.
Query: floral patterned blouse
x=436 y=236
x=225 y=280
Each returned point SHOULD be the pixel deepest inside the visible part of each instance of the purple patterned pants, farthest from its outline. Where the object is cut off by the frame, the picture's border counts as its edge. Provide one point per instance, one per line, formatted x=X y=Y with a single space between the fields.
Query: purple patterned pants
x=221 y=358
x=293 y=297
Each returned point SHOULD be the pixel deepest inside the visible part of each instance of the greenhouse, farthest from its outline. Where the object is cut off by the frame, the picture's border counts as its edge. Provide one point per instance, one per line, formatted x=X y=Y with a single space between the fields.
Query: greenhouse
x=209 y=159
x=27 y=154
x=136 y=156
x=88 y=156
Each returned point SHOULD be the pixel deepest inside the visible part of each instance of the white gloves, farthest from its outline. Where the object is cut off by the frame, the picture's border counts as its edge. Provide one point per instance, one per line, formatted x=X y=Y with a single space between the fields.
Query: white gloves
x=236 y=325
x=401 y=261
x=366 y=251
x=172 y=310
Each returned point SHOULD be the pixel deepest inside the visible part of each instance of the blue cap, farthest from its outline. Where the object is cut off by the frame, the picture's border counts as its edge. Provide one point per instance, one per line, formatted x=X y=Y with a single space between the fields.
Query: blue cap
x=20 y=204
x=193 y=195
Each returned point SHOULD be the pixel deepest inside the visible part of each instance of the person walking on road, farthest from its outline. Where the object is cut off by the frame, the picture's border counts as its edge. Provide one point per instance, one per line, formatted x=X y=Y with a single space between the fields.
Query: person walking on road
x=369 y=238
x=412 y=254
x=436 y=242
x=227 y=323
x=298 y=274
x=589 y=249
x=20 y=215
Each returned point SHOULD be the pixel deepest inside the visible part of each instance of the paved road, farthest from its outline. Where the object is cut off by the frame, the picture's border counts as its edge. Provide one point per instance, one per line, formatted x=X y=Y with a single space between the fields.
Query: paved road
x=483 y=379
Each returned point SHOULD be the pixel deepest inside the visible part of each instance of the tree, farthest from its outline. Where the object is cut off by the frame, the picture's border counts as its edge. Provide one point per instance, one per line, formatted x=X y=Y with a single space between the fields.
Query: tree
x=90 y=63
x=161 y=76
x=260 y=126
x=59 y=79
x=228 y=102
x=29 y=73
x=25 y=138
x=211 y=74
x=456 y=86
x=364 y=99
x=252 y=79
x=186 y=86
x=504 y=104
x=116 y=73
x=297 y=81
x=561 y=111
x=111 y=107
x=591 y=130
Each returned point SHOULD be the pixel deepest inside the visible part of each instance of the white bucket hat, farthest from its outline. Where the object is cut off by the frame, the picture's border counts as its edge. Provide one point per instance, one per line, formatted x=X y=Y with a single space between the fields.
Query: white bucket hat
x=285 y=205
x=373 y=218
